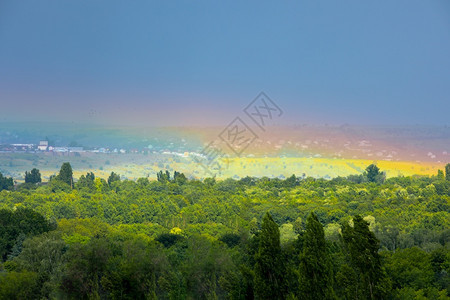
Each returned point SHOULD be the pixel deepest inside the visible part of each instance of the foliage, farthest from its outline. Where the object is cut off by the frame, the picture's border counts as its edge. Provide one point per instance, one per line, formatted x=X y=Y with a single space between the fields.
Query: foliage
x=176 y=238
x=18 y=285
x=362 y=248
x=113 y=178
x=22 y=221
x=66 y=174
x=374 y=174
x=316 y=278
x=34 y=176
x=269 y=266
x=6 y=183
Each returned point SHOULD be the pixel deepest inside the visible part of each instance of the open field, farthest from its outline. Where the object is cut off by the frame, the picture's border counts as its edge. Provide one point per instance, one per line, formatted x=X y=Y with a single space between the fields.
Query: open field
x=133 y=166
x=317 y=151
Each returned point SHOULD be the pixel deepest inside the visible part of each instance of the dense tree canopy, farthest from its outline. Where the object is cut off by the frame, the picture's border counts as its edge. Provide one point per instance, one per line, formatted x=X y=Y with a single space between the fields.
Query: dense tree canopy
x=16 y=225
x=174 y=238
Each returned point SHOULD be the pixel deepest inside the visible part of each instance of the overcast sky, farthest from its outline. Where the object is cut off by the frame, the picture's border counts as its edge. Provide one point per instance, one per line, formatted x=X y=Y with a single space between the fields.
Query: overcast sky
x=201 y=62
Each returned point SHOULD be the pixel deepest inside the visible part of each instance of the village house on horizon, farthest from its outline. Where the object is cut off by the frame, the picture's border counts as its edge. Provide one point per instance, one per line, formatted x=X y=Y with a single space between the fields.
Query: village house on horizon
x=43 y=145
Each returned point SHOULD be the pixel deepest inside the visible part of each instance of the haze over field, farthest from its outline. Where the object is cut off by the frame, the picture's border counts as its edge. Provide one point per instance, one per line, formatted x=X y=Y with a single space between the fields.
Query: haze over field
x=349 y=85
x=317 y=151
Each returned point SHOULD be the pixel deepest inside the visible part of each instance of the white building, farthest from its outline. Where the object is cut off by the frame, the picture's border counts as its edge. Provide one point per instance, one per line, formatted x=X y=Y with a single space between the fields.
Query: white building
x=43 y=145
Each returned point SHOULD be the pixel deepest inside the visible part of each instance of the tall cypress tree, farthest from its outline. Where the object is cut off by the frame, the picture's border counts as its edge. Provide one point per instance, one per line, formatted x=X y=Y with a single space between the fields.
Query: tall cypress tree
x=447 y=172
x=316 y=278
x=362 y=247
x=66 y=174
x=269 y=267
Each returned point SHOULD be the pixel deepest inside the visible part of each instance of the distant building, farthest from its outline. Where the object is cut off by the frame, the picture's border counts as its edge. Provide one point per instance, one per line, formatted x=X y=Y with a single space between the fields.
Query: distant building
x=60 y=149
x=75 y=149
x=22 y=147
x=43 y=145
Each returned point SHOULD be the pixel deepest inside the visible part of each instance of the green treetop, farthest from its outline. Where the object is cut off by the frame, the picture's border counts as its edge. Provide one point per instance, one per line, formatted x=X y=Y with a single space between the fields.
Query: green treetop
x=66 y=174
x=374 y=174
x=362 y=246
x=33 y=177
x=269 y=270
x=316 y=279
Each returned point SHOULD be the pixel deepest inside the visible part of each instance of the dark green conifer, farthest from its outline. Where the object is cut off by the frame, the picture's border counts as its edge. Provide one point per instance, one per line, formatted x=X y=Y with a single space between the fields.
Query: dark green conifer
x=316 y=279
x=269 y=267
x=362 y=247
x=66 y=174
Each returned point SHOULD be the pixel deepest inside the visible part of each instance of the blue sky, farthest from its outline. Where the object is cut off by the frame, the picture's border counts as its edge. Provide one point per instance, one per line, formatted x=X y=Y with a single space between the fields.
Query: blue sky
x=200 y=62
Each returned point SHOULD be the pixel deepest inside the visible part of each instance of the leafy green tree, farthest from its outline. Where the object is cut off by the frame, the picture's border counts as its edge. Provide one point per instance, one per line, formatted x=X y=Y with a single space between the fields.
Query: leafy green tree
x=291 y=181
x=179 y=178
x=66 y=174
x=440 y=262
x=163 y=177
x=33 y=177
x=132 y=275
x=231 y=239
x=90 y=176
x=113 y=178
x=410 y=268
x=57 y=186
x=347 y=284
x=424 y=294
x=44 y=255
x=269 y=266
x=316 y=278
x=6 y=183
x=388 y=235
x=86 y=181
x=373 y=174
x=22 y=221
x=209 y=181
x=169 y=239
x=357 y=178
x=204 y=263
x=447 y=172
x=86 y=266
x=18 y=285
x=18 y=246
x=143 y=182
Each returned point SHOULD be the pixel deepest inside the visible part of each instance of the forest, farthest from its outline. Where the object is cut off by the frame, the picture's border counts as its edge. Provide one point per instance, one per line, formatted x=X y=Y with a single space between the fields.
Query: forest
x=356 y=237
